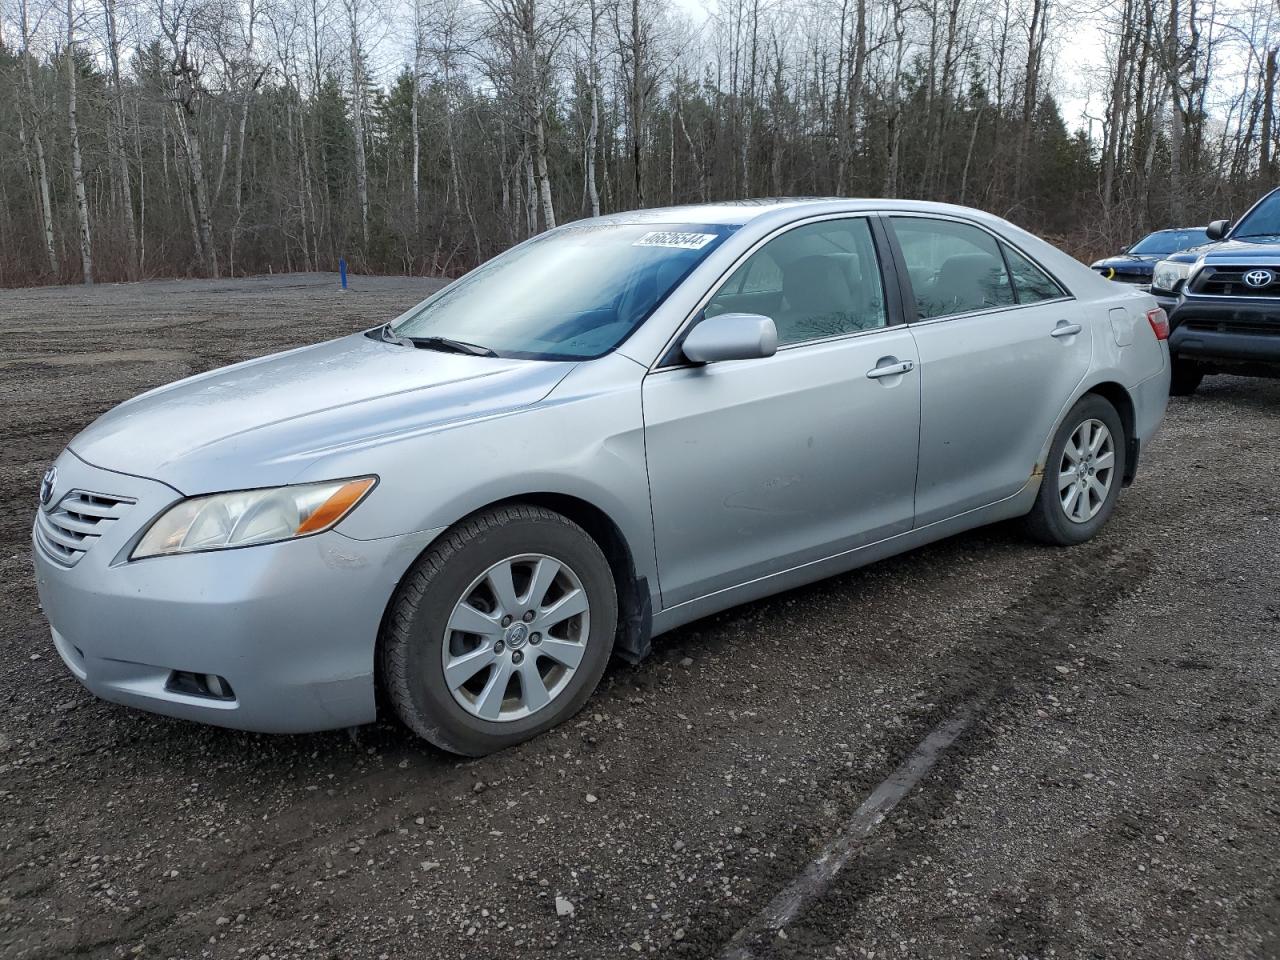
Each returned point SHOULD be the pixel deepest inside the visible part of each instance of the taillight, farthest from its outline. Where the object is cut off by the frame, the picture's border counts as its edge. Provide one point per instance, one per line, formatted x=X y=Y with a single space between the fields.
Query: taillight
x=1159 y=321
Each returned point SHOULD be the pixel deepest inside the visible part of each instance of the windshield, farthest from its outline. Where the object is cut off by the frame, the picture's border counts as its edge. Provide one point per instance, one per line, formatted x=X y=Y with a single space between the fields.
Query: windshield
x=570 y=294
x=1262 y=221
x=1169 y=241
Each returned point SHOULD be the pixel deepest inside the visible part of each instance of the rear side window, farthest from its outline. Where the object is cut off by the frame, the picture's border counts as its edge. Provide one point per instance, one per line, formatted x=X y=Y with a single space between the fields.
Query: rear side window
x=815 y=281
x=954 y=267
x=1030 y=283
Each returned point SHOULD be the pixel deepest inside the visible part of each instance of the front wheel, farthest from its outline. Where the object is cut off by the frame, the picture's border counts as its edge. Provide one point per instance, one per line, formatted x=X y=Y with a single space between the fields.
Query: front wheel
x=501 y=630
x=1082 y=475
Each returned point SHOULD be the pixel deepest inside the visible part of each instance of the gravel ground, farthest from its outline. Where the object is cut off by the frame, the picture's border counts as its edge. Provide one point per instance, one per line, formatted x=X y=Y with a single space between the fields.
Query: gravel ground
x=1118 y=795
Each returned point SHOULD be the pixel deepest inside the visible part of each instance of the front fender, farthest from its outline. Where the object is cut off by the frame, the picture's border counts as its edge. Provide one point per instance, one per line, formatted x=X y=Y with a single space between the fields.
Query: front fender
x=585 y=440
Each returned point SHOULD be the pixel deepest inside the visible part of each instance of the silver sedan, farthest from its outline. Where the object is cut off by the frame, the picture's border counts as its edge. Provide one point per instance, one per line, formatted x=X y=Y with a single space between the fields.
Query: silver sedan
x=614 y=428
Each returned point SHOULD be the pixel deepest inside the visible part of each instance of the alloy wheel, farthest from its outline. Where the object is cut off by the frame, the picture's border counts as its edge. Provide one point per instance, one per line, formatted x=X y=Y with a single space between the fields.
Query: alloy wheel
x=1087 y=471
x=515 y=637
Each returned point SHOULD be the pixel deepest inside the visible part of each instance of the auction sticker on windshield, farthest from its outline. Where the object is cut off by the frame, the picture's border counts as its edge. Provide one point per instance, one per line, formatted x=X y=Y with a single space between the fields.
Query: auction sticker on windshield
x=681 y=241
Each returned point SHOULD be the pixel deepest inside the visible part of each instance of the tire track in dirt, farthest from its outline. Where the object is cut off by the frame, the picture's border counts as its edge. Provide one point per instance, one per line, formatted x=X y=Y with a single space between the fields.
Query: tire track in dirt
x=1014 y=647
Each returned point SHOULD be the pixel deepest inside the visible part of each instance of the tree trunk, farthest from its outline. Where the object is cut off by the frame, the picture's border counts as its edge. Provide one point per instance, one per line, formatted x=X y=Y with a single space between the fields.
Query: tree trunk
x=357 y=123
x=1268 y=98
x=544 y=181
x=1176 y=119
x=413 y=115
x=116 y=139
x=77 y=166
x=593 y=192
x=199 y=190
x=37 y=143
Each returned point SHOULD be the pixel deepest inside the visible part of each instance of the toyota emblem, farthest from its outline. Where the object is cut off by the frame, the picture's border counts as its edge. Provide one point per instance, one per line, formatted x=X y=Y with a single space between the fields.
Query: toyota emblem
x=1259 y=278
x=47 y=483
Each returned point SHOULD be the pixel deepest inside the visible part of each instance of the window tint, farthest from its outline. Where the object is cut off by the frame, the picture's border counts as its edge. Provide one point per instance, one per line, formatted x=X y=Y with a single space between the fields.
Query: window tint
x=954 y=268
x=1030 y=282
x=819 y=280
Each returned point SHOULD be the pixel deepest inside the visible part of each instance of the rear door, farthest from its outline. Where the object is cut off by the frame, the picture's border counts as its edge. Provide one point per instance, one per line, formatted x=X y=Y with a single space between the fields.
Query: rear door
x=1002 y=347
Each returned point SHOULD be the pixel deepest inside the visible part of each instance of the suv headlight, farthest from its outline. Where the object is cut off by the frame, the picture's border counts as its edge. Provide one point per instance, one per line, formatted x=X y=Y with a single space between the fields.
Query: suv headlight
x=225 y=520
x=1169 y=273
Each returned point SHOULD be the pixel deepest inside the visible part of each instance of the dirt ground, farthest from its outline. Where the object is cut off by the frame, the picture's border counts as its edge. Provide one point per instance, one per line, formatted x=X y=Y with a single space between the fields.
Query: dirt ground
x=1119 y=795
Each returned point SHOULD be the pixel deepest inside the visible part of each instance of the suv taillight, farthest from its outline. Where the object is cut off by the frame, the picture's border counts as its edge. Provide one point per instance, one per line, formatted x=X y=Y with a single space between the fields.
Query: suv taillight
x=1159 y=321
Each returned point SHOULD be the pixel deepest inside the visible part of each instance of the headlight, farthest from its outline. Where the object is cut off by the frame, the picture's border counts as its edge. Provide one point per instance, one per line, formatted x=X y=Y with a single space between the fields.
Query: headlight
x=251 y=516
x=1169 y=273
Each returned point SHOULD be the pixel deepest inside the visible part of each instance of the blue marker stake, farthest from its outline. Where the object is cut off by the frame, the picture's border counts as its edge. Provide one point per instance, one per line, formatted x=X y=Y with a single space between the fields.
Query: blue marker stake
x=342 y=272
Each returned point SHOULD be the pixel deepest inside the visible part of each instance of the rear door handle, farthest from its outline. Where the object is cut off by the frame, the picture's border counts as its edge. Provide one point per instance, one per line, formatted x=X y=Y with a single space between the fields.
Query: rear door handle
x=891 y=369
x=1064 y=329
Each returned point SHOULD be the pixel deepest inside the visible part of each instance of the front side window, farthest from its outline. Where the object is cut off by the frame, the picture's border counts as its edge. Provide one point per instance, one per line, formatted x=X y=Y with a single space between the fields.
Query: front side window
x=815 y=281
x=954 y=267
x=570 y=294
x=1030 y=283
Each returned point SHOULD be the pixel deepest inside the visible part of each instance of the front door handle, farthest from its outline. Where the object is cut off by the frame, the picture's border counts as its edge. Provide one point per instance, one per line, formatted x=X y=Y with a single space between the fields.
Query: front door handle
x=1064 y=329
x=891 y=369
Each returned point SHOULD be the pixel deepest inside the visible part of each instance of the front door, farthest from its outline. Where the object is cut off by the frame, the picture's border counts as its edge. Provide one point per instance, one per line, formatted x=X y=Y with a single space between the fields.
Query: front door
x=758 y=466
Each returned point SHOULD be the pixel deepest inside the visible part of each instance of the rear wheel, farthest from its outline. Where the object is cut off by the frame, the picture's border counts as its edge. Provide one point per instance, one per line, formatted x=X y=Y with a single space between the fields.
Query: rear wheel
x=500 y=631
x=1082 y=475
x=1185 y=377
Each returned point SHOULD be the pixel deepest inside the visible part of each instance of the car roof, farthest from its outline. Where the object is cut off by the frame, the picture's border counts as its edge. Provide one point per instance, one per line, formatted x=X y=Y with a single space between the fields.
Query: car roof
x=741 y=212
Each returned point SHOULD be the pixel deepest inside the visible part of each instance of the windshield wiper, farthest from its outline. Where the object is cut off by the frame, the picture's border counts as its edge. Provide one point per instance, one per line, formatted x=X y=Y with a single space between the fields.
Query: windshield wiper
x=449 y=345
x=446 y=344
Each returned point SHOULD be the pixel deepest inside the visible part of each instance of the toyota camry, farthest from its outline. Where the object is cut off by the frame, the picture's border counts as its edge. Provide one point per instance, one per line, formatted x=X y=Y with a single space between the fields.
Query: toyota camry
x=612 y=429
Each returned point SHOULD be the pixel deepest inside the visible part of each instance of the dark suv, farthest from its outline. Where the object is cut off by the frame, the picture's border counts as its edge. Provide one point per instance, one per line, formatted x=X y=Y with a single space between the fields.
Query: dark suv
x=1223 y=299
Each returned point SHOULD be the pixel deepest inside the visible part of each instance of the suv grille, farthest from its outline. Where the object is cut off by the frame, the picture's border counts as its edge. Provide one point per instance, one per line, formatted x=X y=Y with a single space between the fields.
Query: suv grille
x=1229 y=282
x=70 y=529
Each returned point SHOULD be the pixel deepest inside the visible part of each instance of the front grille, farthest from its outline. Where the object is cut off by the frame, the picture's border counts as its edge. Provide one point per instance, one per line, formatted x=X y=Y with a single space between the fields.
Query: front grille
x=1228 y=281
x=69 y=530
x=1129 y=276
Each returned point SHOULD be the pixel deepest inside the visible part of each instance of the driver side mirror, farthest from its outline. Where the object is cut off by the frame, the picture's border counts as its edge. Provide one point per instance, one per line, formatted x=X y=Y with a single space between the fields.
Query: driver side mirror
x=1217 y=229
x=731 y=336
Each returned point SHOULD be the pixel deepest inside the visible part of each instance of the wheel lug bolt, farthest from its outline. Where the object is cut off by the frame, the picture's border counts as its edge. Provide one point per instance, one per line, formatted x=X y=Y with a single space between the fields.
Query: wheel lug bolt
x=499 y=647
x=517 y=657
x=535 y=638
x=528 y=615
x=506 y=621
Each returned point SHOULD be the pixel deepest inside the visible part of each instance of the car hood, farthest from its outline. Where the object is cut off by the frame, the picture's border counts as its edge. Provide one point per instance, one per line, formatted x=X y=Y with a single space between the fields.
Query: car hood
x=262 y=422
x=1192 y=254
x=1265 y=250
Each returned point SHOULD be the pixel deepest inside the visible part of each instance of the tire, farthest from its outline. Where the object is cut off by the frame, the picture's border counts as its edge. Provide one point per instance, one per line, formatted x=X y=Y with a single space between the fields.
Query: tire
x=1185 y=377
x=453 y=583
x=1048 y=520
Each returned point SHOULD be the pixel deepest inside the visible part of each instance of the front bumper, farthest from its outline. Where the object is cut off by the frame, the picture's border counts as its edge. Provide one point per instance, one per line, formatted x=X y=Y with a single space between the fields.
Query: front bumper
x=1214 y=329
x=290 y=626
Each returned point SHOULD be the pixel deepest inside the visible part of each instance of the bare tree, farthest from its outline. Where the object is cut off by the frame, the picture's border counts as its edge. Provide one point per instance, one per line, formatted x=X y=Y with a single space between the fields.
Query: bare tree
x=253 y=135
x=355 y=16
x=116 y=139
x=33 y=120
